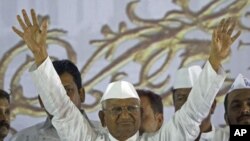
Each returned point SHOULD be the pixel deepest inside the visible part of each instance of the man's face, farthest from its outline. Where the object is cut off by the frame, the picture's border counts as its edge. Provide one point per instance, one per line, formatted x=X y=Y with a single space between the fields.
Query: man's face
x=122 y=117
x=151 y=121
x=180 y=97
x=75 y=95
x=71 y=89
x=238 y=107
x=4 y=117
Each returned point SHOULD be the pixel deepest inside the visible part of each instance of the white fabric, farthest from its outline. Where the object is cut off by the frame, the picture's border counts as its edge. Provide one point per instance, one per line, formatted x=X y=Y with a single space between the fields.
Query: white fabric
x=40 y=132
x=71 y=126
x=186 y=77
x=240 y=82
x=133 y=138
x=120 y=90
x=208 y=135
x=45 y=131
x=218 y=134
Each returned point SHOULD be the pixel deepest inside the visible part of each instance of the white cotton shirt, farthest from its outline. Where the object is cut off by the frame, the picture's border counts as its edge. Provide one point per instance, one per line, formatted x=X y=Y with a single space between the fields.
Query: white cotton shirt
x=71 y=126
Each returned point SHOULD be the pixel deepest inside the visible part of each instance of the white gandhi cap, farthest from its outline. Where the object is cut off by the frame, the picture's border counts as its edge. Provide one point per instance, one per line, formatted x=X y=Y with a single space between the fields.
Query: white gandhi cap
x=120 y=90
x=186 y=77
x=240 y=82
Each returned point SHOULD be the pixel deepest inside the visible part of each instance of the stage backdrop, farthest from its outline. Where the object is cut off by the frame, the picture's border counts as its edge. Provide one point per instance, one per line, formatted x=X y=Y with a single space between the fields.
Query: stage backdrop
x=143 y=42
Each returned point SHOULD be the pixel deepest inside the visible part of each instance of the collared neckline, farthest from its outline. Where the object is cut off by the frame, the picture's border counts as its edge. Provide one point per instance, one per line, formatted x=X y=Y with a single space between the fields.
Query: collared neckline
x=133 y=138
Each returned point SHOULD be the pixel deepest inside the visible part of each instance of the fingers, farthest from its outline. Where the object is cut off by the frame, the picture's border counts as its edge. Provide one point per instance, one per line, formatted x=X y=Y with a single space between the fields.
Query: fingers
x=231 y=29
x=21 y=23
x=226 y=25
x=214 y=34
x=215 y=40
x=44 y=27
x=220 y=27
x=26 y=23
x=34 y=17
x=26 y=18
x=18 y=32
x=236 y=36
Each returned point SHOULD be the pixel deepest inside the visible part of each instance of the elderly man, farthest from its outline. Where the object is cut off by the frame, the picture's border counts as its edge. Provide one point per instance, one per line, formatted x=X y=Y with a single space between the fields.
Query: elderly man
x=4 y=114
x=120 y=102
x=71 y=80
x=152 y=111
x=184 y=81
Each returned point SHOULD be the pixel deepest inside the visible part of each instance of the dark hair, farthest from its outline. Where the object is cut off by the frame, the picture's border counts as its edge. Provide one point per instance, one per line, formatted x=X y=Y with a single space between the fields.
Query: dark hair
x=226 y=102
x=155 y=100
x=173 y=95
x=62 y=66
x=4 y=94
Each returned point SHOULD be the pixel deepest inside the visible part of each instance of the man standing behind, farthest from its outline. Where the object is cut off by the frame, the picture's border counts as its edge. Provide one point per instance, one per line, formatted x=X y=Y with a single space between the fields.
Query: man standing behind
x=4 y=114
x=71 y=80
x=152 y=111
x=184 y=81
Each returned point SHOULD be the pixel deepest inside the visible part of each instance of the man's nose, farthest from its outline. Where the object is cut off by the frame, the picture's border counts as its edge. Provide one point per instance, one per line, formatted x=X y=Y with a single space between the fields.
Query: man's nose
x=124 y=113
x=245 y=109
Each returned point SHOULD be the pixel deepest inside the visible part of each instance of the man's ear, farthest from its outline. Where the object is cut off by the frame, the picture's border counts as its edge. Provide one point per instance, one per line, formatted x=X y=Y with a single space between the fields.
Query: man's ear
x=82 y=94
x=226 y=119
x=101 y=117
x=160 y=119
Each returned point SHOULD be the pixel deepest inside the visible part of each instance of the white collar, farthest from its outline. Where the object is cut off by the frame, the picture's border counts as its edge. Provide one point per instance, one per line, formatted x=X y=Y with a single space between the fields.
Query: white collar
x=133 y=138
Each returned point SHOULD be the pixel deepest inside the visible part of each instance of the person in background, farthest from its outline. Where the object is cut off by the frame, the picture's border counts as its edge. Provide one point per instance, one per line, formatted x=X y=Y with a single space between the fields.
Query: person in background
x=4 y=114
x=71 y=80
x=152 y=111
x=184 y=81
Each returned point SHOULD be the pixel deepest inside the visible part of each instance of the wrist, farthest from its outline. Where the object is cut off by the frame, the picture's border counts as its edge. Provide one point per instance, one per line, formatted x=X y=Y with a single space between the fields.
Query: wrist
x=40 y=58
x=215 y=63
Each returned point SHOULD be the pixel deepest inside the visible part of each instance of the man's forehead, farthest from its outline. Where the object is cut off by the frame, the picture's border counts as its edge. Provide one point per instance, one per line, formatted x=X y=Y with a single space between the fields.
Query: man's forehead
x=144 y=99
x=239 y=95
x=184 y=91
x=127 y=101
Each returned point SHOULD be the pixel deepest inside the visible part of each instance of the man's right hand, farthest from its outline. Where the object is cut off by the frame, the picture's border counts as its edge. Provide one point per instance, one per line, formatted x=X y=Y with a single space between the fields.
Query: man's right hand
x=221 y=42
x=34 y=37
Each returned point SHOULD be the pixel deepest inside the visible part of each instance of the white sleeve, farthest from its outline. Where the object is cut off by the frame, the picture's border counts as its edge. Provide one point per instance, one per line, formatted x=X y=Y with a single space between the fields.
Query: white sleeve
x=184 y=125
x=67 y=119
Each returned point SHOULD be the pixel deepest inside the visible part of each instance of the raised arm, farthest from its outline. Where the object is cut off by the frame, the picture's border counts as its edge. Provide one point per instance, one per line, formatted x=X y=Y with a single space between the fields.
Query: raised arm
x=67 y=119
x=184 y=125
x=209 y=83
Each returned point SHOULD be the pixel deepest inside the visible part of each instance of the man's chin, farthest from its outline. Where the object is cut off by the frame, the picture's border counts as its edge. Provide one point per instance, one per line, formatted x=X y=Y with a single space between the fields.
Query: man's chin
x=244 y=122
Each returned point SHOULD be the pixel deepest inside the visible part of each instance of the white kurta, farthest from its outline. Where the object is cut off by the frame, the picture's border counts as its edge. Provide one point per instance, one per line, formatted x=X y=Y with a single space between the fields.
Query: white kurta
x=71 y=126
